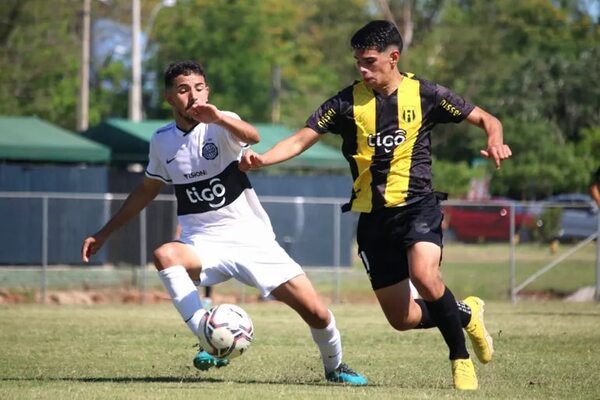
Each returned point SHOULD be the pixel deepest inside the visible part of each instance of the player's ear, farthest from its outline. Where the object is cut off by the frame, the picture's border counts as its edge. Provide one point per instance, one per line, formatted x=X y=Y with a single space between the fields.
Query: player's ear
x=168 y=97
x=394 y=56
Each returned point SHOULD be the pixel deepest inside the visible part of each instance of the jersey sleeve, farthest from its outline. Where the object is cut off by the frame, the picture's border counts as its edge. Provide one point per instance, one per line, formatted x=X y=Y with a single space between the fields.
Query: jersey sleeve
x=233 y=142
x=155 y=168
x=448 y=106
x=329 y=117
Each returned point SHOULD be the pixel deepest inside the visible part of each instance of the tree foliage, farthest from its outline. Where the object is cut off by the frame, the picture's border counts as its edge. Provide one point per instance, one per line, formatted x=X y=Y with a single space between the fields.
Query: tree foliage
x=242 y=42
x=39 y=60
x=534 y=64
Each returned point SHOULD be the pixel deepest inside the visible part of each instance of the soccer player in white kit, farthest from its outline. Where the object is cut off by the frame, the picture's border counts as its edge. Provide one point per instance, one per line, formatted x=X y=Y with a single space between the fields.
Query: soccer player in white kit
x=225 y=231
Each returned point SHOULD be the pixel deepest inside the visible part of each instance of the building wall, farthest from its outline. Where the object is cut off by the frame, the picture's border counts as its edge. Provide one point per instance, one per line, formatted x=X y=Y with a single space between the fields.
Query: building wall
x=21 y=226
x=305 y=230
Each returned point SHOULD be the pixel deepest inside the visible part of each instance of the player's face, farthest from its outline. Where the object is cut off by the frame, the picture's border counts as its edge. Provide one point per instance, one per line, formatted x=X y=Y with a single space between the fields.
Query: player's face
x=187 y=90
x=376 y=68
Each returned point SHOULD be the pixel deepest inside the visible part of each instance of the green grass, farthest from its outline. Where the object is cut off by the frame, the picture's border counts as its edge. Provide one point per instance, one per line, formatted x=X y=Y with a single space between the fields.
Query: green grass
x=485 y=269
x=544 y=350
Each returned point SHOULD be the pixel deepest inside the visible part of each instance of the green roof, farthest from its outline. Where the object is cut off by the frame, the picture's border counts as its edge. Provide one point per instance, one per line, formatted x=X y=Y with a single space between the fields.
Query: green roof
x=129 y=143
x=319 y=155
x=32 y=139
x=128 y=140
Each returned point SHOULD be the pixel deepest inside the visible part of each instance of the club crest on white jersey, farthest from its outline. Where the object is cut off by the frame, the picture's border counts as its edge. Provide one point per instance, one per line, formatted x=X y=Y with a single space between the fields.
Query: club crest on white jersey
x=210 y=151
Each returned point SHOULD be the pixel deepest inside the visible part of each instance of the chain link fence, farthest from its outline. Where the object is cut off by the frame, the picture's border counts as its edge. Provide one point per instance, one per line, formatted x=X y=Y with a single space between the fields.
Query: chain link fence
x=499 y=249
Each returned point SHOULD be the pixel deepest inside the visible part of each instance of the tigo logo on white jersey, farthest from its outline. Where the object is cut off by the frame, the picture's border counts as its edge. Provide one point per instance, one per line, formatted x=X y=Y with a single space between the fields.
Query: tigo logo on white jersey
x=214 y=194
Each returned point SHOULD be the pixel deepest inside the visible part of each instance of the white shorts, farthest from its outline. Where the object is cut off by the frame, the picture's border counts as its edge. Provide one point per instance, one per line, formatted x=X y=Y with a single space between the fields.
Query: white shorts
x=263 y=265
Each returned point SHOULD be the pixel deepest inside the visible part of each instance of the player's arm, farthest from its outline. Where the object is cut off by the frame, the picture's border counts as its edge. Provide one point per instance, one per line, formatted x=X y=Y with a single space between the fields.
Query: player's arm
x=135 y=202
x=595 y=192
x=496 y=149
x=282 y=151
x=209 y=114
x=242 y=130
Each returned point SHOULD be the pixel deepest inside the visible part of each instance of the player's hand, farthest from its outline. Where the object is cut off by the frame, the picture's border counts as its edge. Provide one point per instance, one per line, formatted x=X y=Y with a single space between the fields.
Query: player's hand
x=497 y=153
x=90 y=246
x=206 y=113
x=250 y=160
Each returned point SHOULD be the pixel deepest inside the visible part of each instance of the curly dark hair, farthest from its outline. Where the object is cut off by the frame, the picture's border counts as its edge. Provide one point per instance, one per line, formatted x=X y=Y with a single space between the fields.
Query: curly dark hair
x=186 y=67
x=379 y=35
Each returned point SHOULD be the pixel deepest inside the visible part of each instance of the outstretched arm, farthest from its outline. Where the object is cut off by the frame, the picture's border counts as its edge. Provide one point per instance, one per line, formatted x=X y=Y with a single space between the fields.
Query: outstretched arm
x=135 y=202
x=209 y=114
x=496 y=149
x=282 y=151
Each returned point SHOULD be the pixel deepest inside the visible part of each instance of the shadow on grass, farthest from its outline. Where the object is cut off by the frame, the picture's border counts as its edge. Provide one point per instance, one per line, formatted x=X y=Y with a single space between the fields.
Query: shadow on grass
x=173 y=379
x=123 y=379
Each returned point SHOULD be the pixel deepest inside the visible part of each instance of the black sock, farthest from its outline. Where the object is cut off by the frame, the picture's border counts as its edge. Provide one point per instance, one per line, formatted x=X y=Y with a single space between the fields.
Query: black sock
x=426 y=321
x=465 y=313
x=444 y=312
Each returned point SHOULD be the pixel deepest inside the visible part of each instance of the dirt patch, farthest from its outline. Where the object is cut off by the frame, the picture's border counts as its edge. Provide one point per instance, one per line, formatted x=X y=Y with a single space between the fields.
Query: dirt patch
x=550 y=294
x=134 y=296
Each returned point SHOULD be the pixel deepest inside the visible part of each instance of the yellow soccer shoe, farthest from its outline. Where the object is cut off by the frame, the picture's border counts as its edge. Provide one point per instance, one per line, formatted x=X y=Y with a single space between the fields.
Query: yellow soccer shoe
x=482 y=342
x=463 y=374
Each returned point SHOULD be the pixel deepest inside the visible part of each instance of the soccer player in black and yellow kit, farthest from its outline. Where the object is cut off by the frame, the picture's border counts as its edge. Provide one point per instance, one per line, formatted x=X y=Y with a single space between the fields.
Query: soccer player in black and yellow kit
x=385 y=121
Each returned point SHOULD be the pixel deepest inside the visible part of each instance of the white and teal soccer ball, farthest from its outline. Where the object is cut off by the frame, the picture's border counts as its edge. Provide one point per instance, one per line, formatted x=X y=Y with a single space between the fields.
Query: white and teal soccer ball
x=226 y=331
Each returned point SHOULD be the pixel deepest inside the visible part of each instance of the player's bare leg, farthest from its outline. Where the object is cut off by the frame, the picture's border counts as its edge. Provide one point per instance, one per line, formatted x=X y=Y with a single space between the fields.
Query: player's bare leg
x=398 y=306
x=177 y=267
x=437 y=308
x=300 y=295
x=424 y=259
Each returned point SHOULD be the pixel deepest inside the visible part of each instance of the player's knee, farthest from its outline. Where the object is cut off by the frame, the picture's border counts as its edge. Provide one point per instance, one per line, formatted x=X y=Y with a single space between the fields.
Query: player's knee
x=402 y=323
x=323 y=315
x=165 y=256
x=317 y=317
x=430 y=288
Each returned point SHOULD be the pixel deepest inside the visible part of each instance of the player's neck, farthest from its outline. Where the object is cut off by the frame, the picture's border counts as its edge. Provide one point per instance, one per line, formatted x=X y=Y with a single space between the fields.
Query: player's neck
x=390 y=85
x=185 y=124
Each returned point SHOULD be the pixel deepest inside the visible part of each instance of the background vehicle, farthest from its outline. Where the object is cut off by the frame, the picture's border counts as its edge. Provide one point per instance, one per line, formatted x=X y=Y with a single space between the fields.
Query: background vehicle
x=487 y=220
x=569 y=216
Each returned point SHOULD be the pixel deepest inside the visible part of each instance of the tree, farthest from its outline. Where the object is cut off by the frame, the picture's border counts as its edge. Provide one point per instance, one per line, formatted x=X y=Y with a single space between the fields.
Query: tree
x=241 y=42
x=32 y=82
x=530 y=63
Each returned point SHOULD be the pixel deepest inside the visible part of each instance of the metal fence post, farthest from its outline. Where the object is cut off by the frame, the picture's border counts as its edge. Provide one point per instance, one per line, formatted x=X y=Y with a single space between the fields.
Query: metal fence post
x=598 y=258
x=337 y=249
x=44 y=248
x=513 y=267
x=143 y=258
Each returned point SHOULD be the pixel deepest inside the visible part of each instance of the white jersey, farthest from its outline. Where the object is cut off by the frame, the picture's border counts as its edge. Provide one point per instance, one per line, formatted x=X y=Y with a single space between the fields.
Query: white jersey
x=215 y=200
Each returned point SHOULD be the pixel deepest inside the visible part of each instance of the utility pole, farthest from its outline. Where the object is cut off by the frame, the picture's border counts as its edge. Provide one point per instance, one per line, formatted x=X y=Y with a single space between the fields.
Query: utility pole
x=136 y=106
x=275 y=93
x=84 y=87
x=135 y=90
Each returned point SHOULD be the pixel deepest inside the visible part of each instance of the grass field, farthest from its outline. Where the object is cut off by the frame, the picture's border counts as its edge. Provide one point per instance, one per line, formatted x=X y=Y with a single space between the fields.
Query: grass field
x=544 y=350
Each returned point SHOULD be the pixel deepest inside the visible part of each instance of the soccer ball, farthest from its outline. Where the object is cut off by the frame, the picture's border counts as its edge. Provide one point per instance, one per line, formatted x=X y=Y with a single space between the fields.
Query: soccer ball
x=226 y=330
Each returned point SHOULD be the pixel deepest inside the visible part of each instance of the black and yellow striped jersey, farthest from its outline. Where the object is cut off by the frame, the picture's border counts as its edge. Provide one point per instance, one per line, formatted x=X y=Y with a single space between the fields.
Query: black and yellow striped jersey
x=386 y=139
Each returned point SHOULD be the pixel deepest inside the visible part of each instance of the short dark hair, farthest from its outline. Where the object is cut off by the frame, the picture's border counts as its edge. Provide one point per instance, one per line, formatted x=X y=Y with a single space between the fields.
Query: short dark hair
x=187 y=67
x=377 y=35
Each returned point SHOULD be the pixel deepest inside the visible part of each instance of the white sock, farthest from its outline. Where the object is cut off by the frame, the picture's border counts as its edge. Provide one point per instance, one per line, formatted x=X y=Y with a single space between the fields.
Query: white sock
x=184 y=294
x=329 y=341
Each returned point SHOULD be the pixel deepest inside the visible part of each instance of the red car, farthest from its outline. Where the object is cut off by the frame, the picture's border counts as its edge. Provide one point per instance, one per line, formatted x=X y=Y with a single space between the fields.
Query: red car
x=485 y=220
